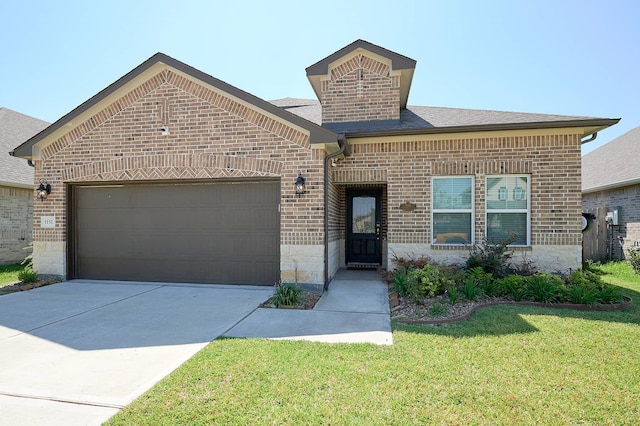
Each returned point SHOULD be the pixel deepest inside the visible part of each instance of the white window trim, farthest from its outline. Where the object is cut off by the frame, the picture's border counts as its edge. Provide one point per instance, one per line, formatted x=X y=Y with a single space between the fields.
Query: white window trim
x=527 y=210
x=471 y=211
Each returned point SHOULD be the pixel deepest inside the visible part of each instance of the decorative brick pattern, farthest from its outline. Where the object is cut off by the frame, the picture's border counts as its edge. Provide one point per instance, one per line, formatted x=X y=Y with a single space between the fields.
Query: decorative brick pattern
x=552 y=161
x=210 y=136
x=360 y=89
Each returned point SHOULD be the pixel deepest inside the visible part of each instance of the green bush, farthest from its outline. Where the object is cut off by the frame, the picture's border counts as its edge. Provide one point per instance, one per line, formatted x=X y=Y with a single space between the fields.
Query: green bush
x=543 y=287
x=494 y=259
x=513 y=285
x=634 y=259
x=428 y=281
x=483 y=280
x=454 y=295
x=587 y=287
x=28 y=275
x=287 y=294
x=470 y=289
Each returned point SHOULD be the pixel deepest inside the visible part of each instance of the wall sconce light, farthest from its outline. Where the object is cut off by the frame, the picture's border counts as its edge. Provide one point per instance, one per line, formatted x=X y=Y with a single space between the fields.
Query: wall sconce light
x=299 y=184
x=43 y=190
x=518 y=193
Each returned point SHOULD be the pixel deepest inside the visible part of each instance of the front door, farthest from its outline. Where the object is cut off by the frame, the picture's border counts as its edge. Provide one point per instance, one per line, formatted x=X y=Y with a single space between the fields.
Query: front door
x=364 y=245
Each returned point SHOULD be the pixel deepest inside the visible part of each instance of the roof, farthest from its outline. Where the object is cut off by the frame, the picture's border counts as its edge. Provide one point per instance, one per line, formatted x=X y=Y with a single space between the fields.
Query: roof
x=398 y=61
x=15 y=128
x=427 y=119
x=614 y=164
x=317 y=133
x=399 y=64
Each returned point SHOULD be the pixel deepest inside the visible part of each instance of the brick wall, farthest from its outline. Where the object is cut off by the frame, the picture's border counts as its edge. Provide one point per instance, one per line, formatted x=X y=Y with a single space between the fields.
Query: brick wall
x=407 y=166
x=16 y=223
x=360 y=89
x=627 y=234
x=211 y=136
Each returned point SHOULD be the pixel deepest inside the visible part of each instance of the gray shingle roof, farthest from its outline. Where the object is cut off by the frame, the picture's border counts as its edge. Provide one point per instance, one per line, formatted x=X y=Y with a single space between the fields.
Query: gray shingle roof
x=15 y=128
x=430 y=119
x=614 y=164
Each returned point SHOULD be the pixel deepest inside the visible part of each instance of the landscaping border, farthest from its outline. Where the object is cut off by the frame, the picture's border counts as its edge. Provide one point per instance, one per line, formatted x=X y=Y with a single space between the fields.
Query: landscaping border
x=595 y=307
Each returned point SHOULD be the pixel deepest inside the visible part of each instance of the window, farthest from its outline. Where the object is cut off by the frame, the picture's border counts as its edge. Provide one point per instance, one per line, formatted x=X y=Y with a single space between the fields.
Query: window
x=452 y=210
x=508 y=211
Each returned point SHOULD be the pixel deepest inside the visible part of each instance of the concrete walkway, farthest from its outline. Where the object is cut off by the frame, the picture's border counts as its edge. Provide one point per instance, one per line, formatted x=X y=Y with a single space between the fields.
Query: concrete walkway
x=77 y=352
x=354 y=310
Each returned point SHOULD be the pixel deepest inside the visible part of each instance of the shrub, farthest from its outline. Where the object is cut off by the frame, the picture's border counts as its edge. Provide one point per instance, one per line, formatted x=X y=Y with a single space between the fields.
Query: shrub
x=492 y=258
x=454 y=296
x=582 y=294
x=400 y=282
x=411 y=262
x=513 y=285
x=470 y=289
x=287 y=294
x=634 y=259
x=484 y=281
x=28 y=275
x=438 y=310
x=543 y=287
x=585 y=286
x=429 y=281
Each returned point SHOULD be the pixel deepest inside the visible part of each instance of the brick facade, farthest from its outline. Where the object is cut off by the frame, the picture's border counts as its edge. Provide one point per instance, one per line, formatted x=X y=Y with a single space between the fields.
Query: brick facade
x=16 y=217
x=360 y=89
x=405 y=169
x=627 y=234
x=212 y=136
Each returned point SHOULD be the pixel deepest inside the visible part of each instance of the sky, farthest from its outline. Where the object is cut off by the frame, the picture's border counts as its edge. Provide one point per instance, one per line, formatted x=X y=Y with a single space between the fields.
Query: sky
x=569 y=57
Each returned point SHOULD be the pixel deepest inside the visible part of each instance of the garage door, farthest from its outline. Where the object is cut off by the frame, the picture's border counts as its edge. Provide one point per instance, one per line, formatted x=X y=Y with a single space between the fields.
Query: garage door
x=226 y=233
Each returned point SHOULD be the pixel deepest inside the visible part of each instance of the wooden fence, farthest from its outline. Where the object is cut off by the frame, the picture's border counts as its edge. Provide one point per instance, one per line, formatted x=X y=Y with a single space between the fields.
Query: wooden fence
x=595 y=241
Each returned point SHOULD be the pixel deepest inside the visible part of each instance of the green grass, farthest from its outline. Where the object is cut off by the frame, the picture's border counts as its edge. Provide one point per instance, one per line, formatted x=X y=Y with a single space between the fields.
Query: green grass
x=506 y=365
x=9 y=274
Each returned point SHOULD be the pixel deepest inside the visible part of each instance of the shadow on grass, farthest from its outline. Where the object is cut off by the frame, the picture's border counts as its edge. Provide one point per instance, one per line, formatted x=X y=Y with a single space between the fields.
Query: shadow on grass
x=500 y=320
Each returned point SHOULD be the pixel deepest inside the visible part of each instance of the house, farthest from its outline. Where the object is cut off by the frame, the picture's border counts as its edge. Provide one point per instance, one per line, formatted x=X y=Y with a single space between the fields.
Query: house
x=16 y=186
x=611 y=182
x=170 y=174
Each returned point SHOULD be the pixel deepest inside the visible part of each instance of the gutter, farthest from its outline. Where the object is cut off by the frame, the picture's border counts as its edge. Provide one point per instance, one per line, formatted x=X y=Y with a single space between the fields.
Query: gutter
x=600 y=123
x=592 y=138
x=342 y=141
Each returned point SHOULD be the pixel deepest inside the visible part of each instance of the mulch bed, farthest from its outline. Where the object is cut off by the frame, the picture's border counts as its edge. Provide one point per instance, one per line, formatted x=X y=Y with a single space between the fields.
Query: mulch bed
x=308 y=300
x=438 y=310
x=12 y=288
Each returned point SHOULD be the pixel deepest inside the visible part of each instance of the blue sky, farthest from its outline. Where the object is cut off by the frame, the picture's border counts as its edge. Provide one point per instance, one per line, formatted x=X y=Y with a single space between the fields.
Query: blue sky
x=547 y=56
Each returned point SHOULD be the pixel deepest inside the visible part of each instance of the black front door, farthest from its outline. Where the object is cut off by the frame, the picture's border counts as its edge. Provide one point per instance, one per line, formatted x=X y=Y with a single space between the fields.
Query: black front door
x=364 y=244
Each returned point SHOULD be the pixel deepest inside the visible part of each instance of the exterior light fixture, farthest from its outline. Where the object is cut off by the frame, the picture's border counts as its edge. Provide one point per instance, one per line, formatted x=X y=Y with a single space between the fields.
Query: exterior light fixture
x=43 y=190
x=299 y=184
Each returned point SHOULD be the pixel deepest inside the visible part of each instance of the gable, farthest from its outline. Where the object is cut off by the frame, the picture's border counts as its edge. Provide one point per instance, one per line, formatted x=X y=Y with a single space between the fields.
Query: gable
x=398 y=66
x=151 y=74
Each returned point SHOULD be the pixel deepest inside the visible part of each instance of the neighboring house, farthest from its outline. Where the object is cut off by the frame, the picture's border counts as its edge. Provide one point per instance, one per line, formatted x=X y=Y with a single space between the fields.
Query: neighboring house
x=170 y=174
x=611 y=182
x=16 y=186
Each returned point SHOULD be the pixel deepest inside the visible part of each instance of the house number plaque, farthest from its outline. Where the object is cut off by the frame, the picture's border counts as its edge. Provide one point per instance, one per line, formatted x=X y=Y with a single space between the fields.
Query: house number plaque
x=48 y=222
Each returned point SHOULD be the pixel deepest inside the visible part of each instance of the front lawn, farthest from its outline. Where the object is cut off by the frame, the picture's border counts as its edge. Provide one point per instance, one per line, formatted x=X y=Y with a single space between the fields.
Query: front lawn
x=505 y=365
x=9 y=274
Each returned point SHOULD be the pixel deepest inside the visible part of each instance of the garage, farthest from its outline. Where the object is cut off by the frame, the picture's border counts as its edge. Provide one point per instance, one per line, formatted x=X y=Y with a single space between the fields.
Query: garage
x=221 y=233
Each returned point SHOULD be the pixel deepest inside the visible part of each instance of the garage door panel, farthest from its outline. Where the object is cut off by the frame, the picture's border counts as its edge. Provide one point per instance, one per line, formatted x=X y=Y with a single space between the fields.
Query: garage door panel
x=215 y=233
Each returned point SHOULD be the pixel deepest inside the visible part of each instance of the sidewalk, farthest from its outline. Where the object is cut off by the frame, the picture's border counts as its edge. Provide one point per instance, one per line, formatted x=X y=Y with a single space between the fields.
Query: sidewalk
x=355 y=309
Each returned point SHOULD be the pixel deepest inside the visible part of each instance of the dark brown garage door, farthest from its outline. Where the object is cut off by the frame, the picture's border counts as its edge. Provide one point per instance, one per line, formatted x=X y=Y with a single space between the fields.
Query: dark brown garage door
x=227 y=233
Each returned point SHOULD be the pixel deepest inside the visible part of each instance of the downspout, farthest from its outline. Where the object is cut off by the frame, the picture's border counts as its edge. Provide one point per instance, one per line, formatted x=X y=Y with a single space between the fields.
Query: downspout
x=592 y=138
x=342 y=142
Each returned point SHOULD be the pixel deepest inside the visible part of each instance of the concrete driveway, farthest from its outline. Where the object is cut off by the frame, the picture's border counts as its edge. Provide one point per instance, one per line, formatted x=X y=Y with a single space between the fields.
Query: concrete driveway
x=79 y=351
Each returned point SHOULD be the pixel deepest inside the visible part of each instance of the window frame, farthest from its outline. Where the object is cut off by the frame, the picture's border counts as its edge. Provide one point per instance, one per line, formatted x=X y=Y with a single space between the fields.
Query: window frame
x=470 y=211
x=487 y=211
